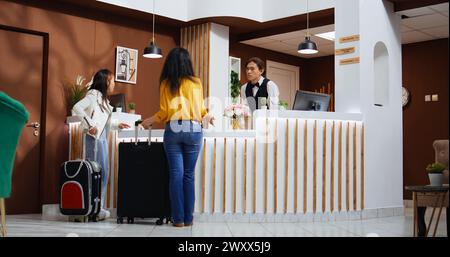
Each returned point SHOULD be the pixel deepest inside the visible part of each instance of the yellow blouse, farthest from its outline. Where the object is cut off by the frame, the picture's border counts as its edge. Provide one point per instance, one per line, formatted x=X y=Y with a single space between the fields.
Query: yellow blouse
x=188 y=104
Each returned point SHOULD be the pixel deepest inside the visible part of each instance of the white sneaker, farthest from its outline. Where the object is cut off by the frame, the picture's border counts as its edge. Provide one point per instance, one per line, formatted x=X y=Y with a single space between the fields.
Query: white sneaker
x=104 y=214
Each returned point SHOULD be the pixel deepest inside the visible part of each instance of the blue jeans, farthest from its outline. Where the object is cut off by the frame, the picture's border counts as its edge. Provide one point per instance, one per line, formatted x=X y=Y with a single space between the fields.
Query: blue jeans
x=101 y=146
x=182 y=143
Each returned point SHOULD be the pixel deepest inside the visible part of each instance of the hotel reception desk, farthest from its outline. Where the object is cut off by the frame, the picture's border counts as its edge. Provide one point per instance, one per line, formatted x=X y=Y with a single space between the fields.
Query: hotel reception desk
x=293 y=165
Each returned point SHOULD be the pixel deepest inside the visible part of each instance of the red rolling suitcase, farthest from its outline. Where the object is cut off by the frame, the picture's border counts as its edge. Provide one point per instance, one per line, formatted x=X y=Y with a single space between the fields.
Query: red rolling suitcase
x=80 y=189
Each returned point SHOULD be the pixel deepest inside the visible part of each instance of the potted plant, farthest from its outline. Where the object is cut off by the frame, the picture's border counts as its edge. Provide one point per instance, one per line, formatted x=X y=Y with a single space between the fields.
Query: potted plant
x=132 y=107
x=235 y=86
x=283 y=105
x=75 y=91
x=435 y=171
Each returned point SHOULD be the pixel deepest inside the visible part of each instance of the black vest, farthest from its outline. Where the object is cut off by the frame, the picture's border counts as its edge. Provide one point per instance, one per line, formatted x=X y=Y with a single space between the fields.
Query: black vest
x=262 y=92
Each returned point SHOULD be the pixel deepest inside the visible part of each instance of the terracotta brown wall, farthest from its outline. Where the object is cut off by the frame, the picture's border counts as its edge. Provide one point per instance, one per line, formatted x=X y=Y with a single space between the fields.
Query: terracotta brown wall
x=319 y=72
x=425 y=72
x=245 y=52
x=82 y=45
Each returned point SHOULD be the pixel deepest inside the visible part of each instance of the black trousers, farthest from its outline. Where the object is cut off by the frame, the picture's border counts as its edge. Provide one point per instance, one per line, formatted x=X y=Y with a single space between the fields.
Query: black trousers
x=422 y=225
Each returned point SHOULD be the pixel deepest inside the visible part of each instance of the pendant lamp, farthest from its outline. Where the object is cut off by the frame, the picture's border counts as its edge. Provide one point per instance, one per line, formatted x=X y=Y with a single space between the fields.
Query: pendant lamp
x=153 y=51
x=307 y=46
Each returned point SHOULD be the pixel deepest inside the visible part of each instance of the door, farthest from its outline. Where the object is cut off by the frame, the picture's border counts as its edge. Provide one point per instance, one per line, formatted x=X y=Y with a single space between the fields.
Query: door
x=286 y=77
x=21 y=72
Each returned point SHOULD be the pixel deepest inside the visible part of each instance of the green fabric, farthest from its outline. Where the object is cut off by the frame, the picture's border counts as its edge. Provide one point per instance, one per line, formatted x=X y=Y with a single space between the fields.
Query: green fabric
x=13 y=117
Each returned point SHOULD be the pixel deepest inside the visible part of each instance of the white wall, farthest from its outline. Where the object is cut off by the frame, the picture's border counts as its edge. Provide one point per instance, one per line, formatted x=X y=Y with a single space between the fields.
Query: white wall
x=218 y=72
x=258 y=10
x=250 y=9
x=284 y=8
x=347 y=84
x=162 y=7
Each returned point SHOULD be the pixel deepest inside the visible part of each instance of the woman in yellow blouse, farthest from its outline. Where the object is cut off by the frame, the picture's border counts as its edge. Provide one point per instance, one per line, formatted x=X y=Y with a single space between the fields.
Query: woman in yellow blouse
x=182 y=109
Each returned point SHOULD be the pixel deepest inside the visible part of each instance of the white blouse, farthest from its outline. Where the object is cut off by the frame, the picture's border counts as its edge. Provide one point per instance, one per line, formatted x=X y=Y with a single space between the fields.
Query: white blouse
x=94 y=112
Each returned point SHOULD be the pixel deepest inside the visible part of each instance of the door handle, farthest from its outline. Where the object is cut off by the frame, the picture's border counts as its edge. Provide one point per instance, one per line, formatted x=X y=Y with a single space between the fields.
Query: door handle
x=34 y=125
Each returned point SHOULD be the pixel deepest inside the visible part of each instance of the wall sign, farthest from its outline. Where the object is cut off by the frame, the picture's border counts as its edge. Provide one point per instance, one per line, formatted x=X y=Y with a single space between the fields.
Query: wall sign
x=349 y=39
x=349 y=61
x=347 y=50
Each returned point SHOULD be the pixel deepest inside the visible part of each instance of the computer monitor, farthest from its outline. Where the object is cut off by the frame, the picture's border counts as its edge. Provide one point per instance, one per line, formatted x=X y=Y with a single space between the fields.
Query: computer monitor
x=311 y=101
x=118 y=100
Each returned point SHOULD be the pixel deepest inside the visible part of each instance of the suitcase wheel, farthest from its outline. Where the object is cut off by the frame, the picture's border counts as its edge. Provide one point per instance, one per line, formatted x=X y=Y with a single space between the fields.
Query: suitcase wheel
x=130 y=220
x=120 y=220
x=160 y=221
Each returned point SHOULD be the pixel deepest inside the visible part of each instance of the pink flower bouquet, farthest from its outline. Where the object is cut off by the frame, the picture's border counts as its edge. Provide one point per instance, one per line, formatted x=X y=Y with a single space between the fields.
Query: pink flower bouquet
x=237 y=111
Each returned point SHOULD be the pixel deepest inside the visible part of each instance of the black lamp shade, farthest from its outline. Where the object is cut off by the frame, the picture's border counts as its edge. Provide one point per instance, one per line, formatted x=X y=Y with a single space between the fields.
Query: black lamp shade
x=307 y=47
x=152 y=51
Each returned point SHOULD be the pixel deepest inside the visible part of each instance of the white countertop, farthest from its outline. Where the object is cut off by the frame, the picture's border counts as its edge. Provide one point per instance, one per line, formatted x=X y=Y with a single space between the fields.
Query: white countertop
x=120 y=116
x=143 y=133
x=308 y=115
x=212 y=132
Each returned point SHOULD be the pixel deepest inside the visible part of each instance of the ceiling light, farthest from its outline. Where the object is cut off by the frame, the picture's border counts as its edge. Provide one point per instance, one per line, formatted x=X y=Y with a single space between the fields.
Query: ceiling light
x=307 y=46
x=328 y=35
x=153 y=51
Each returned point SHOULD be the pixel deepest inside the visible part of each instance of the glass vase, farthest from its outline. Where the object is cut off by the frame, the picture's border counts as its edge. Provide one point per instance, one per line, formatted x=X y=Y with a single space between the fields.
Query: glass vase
x=235 y=123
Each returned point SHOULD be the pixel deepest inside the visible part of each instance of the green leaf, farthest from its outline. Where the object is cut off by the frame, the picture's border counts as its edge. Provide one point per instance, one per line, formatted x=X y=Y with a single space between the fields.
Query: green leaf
x=75 y=90
x=235 y=85
x=436 y=167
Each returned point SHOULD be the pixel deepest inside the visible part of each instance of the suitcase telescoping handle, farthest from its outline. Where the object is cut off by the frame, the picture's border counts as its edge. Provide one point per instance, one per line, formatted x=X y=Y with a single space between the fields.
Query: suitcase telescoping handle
x=136 y=132
x=83 y=154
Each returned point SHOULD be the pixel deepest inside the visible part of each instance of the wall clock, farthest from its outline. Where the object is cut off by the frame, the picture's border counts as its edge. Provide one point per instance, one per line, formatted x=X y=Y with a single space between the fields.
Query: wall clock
x=405 y=96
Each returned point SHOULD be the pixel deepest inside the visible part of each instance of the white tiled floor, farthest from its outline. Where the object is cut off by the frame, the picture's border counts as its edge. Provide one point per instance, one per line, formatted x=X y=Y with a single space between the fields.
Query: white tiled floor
x=35 y=225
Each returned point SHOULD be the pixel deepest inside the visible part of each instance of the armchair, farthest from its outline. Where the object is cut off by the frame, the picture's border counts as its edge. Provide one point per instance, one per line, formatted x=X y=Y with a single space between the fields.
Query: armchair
x=15 y=115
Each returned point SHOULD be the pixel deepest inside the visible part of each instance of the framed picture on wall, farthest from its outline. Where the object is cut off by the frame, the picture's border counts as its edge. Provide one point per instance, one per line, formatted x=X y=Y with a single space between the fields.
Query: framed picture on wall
x=126 y=64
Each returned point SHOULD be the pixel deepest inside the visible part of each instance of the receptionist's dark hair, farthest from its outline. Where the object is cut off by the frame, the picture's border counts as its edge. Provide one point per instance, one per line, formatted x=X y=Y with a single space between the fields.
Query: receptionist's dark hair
x=258 y=62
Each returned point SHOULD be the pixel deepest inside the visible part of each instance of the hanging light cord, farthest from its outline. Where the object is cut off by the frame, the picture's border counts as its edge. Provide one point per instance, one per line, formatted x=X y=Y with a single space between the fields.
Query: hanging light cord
x=307 y=19
x=153 y=30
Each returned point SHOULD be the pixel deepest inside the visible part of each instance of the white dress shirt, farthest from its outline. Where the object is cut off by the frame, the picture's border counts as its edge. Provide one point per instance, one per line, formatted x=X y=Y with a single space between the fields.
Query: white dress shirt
x=272 y=91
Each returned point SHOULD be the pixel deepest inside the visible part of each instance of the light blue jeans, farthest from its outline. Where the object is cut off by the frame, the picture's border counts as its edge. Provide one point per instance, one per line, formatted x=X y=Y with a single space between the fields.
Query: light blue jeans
x=182 y=143
x=102 y=158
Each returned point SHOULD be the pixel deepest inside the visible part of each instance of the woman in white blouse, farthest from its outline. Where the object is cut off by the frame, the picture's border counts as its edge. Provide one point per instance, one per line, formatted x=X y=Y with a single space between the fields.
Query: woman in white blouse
x=96 y=111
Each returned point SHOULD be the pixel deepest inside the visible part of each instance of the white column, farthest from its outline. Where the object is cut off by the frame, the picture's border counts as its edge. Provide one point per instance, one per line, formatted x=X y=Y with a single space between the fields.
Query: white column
x=218 y=72
x=347 y=85
x=374 y=90
x=380 y=26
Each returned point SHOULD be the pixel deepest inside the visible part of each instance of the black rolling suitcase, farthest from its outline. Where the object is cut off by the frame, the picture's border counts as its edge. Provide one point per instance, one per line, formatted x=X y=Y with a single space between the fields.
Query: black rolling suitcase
x=80 y=189
x=143 y=181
